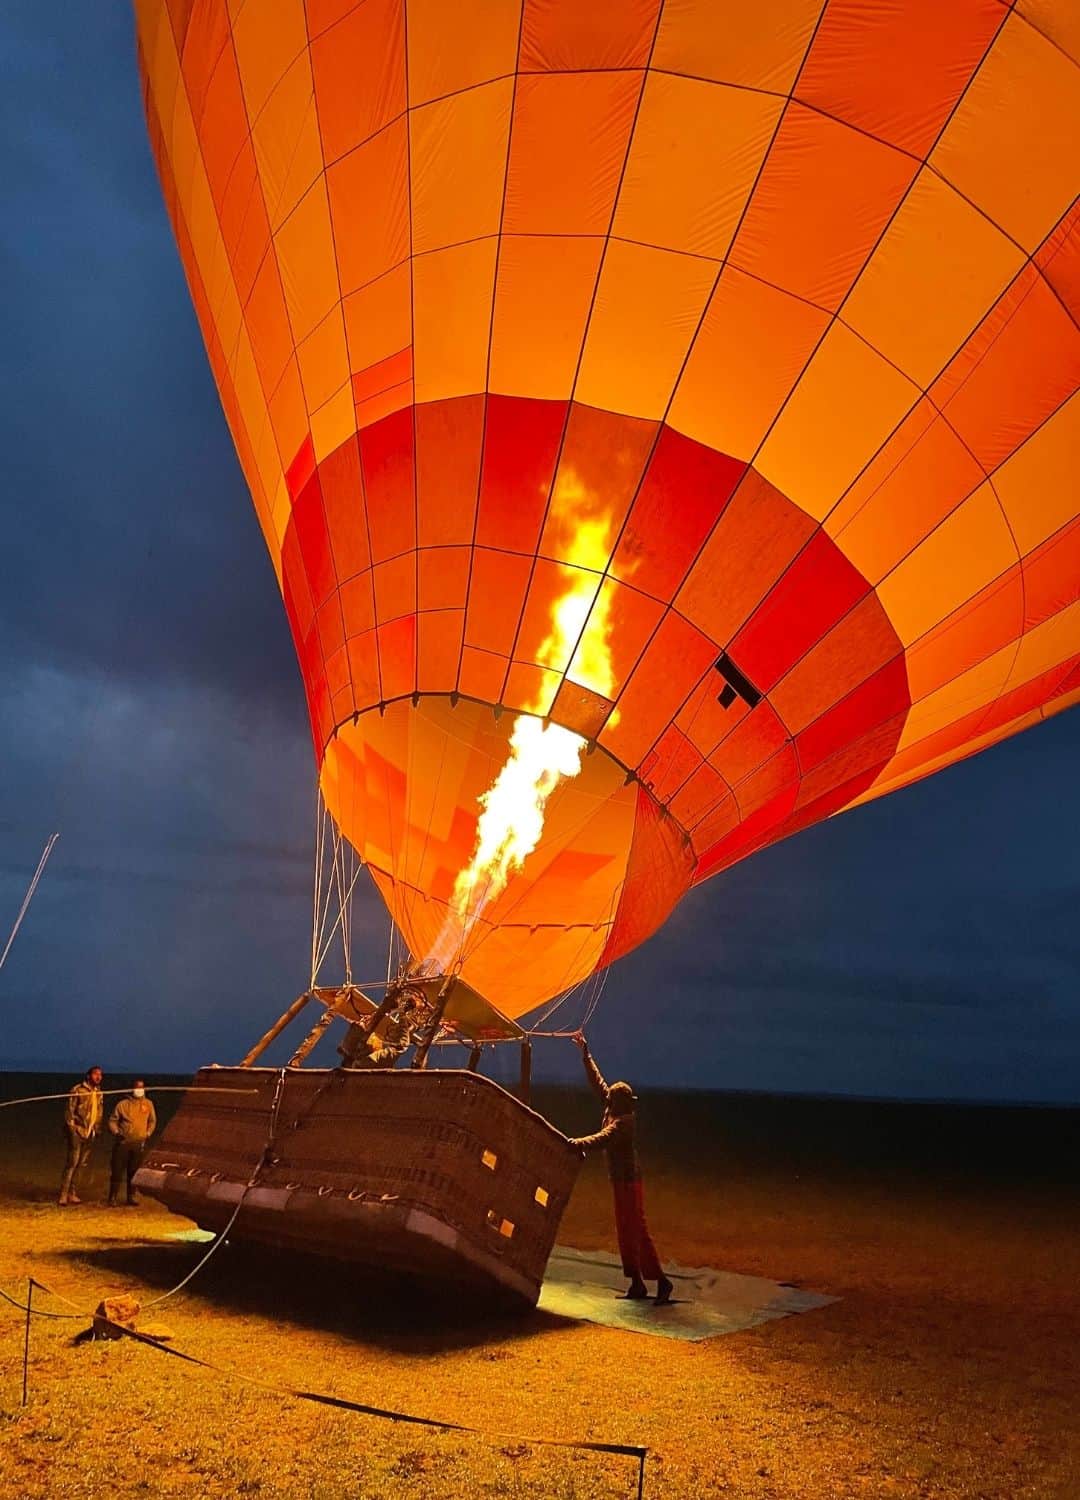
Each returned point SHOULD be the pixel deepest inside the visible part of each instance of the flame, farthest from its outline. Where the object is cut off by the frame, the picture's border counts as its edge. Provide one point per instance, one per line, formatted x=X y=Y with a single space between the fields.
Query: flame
x=542 y=755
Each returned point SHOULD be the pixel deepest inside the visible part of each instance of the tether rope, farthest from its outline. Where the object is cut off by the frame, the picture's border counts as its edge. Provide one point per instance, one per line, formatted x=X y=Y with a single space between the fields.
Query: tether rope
x=28 y=897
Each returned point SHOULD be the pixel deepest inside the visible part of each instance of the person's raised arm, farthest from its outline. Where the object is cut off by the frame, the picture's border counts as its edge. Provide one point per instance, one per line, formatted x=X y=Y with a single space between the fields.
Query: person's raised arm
x=596 y=1079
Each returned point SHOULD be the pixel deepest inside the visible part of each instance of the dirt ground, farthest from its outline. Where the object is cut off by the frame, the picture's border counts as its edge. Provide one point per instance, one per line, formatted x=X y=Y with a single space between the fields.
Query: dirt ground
x=950 y=1367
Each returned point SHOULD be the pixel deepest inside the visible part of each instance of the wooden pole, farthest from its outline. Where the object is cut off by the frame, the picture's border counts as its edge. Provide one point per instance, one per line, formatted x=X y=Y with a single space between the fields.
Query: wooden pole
x=278 y=1027
x=474 y=1057
x=525 y=1086
x=26 y=1339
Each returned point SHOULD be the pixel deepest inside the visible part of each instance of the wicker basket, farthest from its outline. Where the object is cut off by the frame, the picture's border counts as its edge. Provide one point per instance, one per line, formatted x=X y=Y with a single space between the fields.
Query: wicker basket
x=435 y=1173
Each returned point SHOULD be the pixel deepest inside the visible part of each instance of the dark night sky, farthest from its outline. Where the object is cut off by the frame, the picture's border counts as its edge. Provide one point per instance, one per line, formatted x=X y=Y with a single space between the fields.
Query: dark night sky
x=150 y=708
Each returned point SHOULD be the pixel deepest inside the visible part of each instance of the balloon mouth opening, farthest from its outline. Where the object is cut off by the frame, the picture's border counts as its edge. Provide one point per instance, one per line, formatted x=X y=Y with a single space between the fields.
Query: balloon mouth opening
x=508 y=848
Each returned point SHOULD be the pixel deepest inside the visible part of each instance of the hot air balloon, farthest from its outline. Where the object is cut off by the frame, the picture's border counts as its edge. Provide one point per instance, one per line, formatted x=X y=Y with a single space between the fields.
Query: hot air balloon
x=661 y=416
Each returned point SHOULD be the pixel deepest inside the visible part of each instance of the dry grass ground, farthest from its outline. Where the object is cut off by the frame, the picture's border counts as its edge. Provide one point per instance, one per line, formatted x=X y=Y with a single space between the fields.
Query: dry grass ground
x=949 y=1369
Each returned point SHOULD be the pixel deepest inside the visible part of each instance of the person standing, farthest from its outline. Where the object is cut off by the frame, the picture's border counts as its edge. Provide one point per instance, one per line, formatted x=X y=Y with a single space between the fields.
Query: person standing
x=131 y=1125
x=82 y=1121
x=616 y=1137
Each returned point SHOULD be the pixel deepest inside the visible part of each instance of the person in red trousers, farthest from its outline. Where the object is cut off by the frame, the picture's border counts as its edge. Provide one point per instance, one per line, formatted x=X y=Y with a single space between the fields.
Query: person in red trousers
x=616 y=1137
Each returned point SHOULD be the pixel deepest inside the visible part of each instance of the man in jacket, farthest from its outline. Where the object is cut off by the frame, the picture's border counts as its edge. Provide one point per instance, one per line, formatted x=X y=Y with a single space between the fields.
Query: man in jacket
x=82 y=1121
x=131 y=1125
x=616 y=1138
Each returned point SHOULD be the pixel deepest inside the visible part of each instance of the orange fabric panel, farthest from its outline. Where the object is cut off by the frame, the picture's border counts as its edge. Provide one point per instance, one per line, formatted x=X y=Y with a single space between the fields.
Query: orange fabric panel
x=529 y=688
x=825 y=194
x=449 y=436
x=631 y=620
x=370 y=206
x=285 y=137
x=457 y=162
x=897 y=70
x=564 y=35
x=982 y=626
x=553 y=185
x=443 y=577
x=452 y=294
x=756 y=47
x=245 y=228
x=1018 y=165
x=696 y=151
x=1019 y=366
x=674 y=660
x=648 y=305
x=268 y=325
x=305 y=250
x=358 y=66
x=201 y=49
x=438 y=659
x=222 y=124
x=922 y=473
x=323 y=360
x=971 y=547
x=938 y=255
x=358 y=605
x=1058 y=259
x=758 y=535
x=496 y=595
x=668 y=764
x=481 y=674
x=395 y=587
x=268 y=38
x=536 y=340
x=752 y=346
x=842 y=410
x=1037 y=483
x=457 y=46
x=378 y=319
x=379 y=377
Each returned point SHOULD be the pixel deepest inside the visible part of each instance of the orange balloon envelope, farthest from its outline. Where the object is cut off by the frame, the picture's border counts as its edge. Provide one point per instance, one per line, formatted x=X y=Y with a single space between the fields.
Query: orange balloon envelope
x=682 y=395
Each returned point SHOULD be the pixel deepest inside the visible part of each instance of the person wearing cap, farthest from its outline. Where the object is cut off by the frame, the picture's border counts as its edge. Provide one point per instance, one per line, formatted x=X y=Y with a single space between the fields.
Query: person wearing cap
x=82 y=1121
x=616 y=1138
x=131 y=1125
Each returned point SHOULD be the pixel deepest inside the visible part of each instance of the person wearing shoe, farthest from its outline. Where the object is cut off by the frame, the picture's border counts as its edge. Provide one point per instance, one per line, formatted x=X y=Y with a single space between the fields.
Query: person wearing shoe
x=131 y=1125
x=82 y=1121
x=616 y=1137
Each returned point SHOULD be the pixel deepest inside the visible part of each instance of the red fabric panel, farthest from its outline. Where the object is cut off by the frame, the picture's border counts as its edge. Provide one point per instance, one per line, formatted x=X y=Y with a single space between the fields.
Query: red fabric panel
x=879 y=698
x=659 y=869
x=1052 y=575
x=397 y=657
x=343 y=505
x=386 y=452
x=819 y=587
x=309 y=523
x=449 y=435
x=564 y=35
x=897 y=70
x=684 y=491
x=521 y=445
